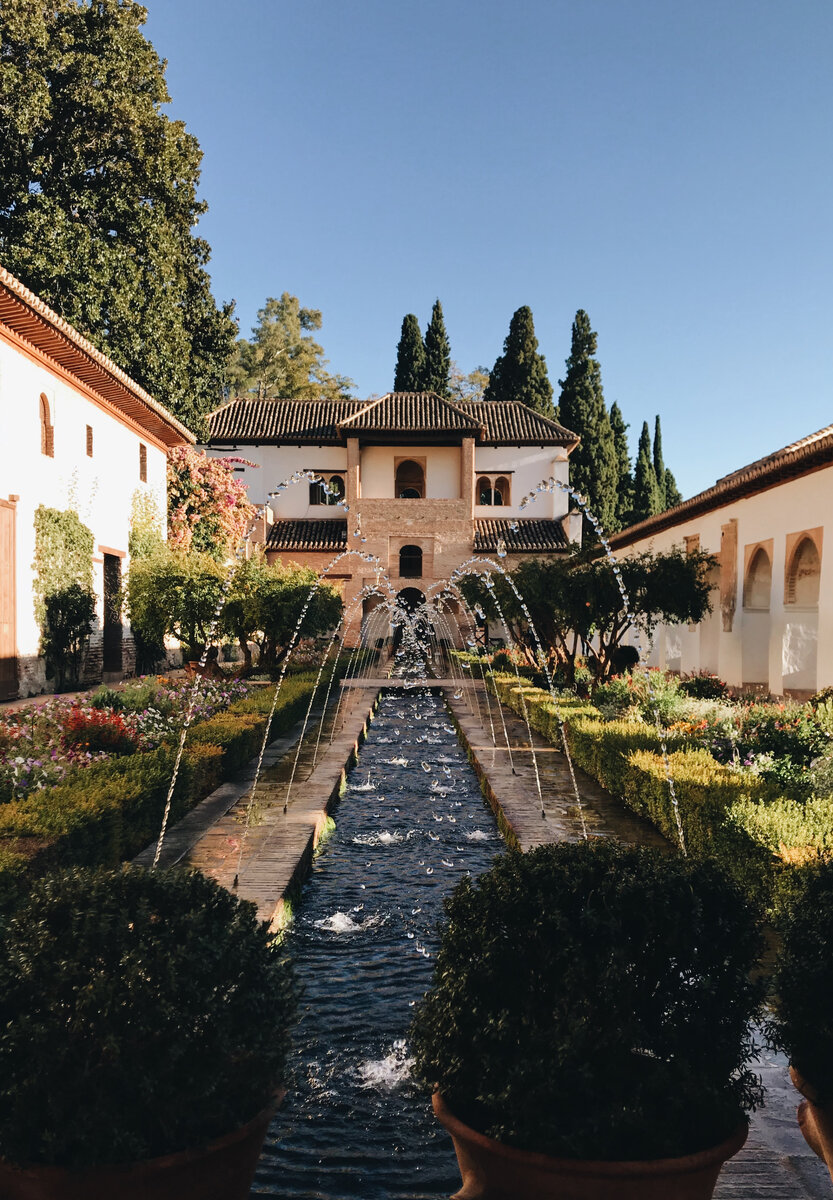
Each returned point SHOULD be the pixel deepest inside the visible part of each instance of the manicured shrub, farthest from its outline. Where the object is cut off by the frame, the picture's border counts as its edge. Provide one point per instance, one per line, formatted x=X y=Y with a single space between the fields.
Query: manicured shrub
x=702 y=685
x=803 y=982
x=143 y=1013
x=593 y=1001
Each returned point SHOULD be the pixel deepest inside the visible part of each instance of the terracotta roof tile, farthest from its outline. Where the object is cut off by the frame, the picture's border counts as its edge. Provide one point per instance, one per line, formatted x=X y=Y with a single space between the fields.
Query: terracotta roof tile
x=318 y=422
x=520 y=537
x=799 y=458
x=304 y=534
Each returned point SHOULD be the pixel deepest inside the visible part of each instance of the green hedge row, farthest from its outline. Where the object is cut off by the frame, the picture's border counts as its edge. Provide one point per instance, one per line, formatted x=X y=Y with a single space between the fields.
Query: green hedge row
x=741 y=820
x=108 y=812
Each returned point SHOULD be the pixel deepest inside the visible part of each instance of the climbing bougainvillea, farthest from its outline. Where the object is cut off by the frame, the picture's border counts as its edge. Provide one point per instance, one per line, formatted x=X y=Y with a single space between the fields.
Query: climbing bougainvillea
x=208 y=508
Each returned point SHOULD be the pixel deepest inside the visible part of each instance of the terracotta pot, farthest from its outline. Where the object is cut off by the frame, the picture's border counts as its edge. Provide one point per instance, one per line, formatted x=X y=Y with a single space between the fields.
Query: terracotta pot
x=492 y=1171
x=223 y=1170
x=815 y=1120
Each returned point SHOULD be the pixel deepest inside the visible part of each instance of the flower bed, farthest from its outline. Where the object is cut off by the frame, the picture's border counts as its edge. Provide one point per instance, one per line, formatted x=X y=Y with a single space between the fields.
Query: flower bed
x=109 y=810
x=728 y=766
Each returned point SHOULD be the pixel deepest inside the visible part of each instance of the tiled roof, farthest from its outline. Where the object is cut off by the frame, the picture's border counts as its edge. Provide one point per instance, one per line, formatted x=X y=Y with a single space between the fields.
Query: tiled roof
x=318 y=422
x=414 y=412
x=27 y=317
x=799 y=458
x=329 y=535
x=520 y=537
x=509 y=422
x=305 y=421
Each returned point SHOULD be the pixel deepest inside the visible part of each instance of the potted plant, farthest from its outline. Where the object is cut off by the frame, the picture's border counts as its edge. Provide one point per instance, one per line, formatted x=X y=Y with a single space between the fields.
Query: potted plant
x=802 y=1022
x=587 y=1029
x=144 y=1021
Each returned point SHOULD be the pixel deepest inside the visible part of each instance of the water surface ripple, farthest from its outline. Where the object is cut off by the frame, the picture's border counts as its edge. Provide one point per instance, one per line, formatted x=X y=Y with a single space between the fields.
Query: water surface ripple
x=411 y=823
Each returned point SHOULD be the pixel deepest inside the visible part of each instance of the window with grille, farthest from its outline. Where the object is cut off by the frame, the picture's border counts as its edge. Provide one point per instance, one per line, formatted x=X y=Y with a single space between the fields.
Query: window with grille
x=89 y=441
x=143 y=462
x=47 y=430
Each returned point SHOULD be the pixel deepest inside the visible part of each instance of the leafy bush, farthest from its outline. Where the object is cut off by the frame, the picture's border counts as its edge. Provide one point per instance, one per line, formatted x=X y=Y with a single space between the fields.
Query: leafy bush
x=593 y=1001
x=96 y=730
x=616 y=697
x=803 y=983
x=704 y=686
x=144 y=1012
x=68 y=622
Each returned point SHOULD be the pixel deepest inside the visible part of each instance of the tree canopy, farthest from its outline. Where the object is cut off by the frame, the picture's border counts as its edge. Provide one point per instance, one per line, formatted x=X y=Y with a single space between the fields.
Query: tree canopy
x=624 y=486
x=283 y=360
x=465 y=387
x=410 y=357
x=208 y=506
x=576 y=605
x=98 y=196
x=646 y=494
x=520 y=373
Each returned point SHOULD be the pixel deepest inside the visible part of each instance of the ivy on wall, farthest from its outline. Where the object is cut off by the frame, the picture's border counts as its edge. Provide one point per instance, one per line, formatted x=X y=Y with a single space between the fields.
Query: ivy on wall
x=63 y=555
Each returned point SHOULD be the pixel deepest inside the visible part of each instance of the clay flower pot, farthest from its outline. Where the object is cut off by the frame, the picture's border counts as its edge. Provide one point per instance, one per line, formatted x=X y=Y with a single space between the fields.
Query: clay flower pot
x=223 y=1170
x=814 y=1120
x=492 y=1171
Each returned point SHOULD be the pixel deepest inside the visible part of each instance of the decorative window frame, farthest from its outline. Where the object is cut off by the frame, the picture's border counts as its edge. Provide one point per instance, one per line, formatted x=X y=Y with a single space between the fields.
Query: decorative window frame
x=493 y=478
x=421 y=462
x=794 y=542
x=750 y=552
x=316 y=489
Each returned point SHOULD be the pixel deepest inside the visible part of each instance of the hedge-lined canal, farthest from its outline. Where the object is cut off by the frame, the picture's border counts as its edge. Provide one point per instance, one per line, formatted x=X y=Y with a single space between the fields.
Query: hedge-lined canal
x=353 y=1124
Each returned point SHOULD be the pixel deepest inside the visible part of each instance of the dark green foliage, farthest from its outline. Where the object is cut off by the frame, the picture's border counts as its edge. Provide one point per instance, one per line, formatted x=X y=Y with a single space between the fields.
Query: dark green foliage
x=646 y=497
x=98 y=196
x=410 y=357
x=63 y=554
x=595 y=464
x=659 y=465
x=520 y=373
x=593 y=1001
x=174 y=592
x=68 y=622
x=803 y=983
x=144 y=1012
x=624 y=486
x=673 y=495
x=704 y=686
x=437 y=355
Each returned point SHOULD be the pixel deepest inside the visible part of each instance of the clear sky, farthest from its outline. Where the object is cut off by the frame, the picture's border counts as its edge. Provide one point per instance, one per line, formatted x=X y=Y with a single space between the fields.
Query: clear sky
x=664 y=164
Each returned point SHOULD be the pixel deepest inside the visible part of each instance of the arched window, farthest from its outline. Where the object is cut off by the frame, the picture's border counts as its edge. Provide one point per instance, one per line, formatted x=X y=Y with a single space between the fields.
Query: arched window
x=501 y=490
x=492 y=491
x=47 y=429
x=804 y=575
x=410 y=481
x=758 y=583
x=410 y=562
x=484 y=490
x=328 y=490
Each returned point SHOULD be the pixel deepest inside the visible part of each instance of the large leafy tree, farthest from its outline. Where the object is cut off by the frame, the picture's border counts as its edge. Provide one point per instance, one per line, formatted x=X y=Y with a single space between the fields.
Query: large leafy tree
x=437 y=355
x=594 y=464
x=520 y=373
x=283 y=360
x=646 y=496
x=98 y=195
x=410 y=357
x=576 y=604
x=467 y=387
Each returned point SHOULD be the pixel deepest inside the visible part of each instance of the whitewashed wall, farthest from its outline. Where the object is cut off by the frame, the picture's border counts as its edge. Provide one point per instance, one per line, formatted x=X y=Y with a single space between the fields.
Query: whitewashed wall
x=789 y=647
x=529 y=465
x=100 y=488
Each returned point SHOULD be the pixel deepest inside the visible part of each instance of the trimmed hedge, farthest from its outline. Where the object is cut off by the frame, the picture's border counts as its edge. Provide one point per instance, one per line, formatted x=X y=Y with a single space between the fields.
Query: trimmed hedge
x=111 y=810
x=740 y=819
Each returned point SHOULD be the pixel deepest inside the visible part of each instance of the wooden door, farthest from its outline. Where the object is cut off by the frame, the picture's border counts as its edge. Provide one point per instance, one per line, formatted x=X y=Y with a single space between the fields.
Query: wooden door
x=8 y=632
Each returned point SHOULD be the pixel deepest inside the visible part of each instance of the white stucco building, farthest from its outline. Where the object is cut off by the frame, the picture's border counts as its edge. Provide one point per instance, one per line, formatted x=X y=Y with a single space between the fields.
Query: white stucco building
x=75 y=433
x=432 y=482
x=771 y=626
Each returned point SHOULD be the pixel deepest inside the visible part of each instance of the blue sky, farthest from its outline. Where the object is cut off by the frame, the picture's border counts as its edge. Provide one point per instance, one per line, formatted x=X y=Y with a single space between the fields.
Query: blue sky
x=664 y=165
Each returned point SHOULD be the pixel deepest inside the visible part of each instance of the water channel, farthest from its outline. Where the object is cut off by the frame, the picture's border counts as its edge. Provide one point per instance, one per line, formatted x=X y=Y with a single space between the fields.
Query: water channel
x=411 y=823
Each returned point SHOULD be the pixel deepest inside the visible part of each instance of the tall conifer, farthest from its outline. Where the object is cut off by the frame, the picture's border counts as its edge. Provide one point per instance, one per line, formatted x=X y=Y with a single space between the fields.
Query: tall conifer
x=520 y=373
x=437 y=355
x=646 y=501
x=410 y=357
x=594 y=464
x=659 y=465
x=624 y=487
x=673 y=495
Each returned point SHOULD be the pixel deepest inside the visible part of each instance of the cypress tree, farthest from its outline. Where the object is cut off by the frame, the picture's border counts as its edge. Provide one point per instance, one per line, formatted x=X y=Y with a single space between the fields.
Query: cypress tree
x=673 y=495
x=437 y=355
x=520 y=373
x=594 y=464
x=410 y=357
x=659 y=465
x=645 y=491
x=624 y=487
